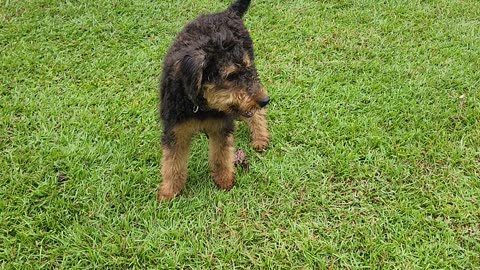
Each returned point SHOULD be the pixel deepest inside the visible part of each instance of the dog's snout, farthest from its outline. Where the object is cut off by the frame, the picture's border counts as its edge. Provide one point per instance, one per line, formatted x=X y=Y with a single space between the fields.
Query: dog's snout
x=262 y=102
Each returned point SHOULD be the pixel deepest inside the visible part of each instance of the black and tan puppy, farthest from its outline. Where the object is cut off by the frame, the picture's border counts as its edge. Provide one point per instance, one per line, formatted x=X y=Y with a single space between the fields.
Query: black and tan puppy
x=208 y=81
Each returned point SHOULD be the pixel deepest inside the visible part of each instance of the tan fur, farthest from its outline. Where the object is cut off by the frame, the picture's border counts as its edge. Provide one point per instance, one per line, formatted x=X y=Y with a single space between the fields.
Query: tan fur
x=224 y=99
x=230 y=70
x=220 y=158
x=174 y=160
x=258 y=130
x=246 y=60
x=174 y=172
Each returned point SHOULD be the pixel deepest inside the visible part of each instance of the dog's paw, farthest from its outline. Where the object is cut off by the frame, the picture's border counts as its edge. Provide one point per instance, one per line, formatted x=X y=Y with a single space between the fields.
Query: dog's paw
x=260 y=145
x=225 y=183
x=164 y=195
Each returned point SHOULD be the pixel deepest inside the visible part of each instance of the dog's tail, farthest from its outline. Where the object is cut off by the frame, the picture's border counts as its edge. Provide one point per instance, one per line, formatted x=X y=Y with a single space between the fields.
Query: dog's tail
x=240 y=7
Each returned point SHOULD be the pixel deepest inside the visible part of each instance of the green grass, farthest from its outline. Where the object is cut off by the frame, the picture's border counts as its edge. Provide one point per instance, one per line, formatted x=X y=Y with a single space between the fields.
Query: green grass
x=374 y=161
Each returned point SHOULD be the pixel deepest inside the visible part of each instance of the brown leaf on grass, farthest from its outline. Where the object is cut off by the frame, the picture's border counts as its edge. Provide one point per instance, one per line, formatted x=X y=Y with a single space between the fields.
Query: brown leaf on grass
x=240 y=159
x=61 y=178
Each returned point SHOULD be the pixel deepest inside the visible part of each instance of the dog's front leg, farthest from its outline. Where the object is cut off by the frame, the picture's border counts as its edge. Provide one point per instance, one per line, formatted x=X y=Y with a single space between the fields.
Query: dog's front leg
x=174 y=169
x=220 y=157
x=258 y=130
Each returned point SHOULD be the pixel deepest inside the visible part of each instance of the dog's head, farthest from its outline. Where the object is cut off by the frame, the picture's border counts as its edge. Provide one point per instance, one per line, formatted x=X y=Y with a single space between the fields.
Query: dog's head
x=222 y=75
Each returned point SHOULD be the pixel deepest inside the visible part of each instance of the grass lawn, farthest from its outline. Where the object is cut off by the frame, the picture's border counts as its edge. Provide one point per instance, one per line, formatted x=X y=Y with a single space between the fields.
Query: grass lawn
x=374 y=162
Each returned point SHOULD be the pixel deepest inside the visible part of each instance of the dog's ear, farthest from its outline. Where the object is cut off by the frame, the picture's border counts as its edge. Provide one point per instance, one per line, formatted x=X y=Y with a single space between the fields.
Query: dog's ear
x=191 y=68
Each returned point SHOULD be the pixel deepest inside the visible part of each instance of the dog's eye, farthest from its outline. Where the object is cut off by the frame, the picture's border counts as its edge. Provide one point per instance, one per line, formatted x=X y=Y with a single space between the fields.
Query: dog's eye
x=232 y=77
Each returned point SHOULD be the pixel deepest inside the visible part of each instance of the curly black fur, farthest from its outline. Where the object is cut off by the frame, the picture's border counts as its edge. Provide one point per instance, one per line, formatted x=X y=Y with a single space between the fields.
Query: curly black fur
x=208 y=81
x=195 y=58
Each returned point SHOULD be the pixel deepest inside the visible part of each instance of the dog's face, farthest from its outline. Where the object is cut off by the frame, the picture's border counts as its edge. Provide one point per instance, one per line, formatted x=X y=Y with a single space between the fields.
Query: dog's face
x=231 y=84
x=225 y=79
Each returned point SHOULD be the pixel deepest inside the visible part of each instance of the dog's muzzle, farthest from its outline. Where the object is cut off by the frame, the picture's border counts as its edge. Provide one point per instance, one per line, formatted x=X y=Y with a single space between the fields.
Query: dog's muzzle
x=262 y=102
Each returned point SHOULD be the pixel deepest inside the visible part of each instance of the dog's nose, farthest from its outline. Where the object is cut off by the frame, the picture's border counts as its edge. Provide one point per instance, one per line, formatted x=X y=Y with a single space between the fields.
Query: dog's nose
x=263 y=101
